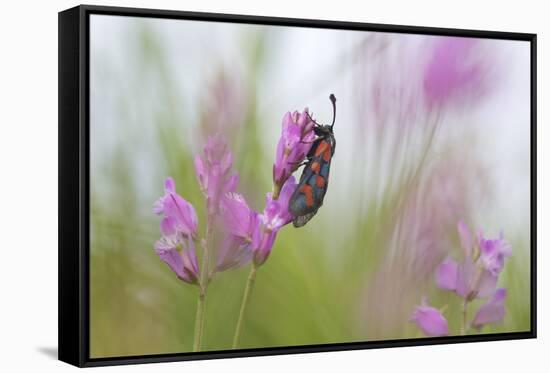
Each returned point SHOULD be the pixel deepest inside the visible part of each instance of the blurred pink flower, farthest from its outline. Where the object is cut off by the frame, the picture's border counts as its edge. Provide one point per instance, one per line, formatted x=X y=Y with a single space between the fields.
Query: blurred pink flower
x=454 y=70
x=476 y=278
x=295 y=141
x=425 y=221
x=471 y=279
x=465 y=238
x=493 y=252
x=224 y=106
x=491 y=312
x=429 y=214
x=447 y=274
x=214 y=172
x=430 y=320
x=465 y=278
x=474 y=282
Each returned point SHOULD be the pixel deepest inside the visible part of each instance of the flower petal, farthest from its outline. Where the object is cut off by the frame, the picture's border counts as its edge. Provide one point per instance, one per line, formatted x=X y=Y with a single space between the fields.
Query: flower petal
x=236 y=215
x=276 y=213
x=200 y=169
x=493 y=252
x=430 y=320
x=231 y=184
x=293 y=145
x=465 y=238
x=168 y=226
x=170 y=185
x=190 y=262
x=286 y=192
x=487 y=284
x=213 y=172
x=171 y=256
x=182 y=215
x=446 y=275
x=234 y=253
x=262 y=244
x=491 y=312
x=182 y=212
x=158 y=206
x=226 y=162
x=465 y=278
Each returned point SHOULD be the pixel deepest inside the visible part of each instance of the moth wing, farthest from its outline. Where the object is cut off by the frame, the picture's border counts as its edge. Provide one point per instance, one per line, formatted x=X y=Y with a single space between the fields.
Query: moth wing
x=302 y=201
x=300 y=221
x=320 y=186
x=310 y=191
x=313 y=149
x=297 y=205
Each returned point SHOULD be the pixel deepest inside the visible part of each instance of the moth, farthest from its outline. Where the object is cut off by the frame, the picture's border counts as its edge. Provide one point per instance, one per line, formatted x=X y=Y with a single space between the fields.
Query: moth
x=312 y=187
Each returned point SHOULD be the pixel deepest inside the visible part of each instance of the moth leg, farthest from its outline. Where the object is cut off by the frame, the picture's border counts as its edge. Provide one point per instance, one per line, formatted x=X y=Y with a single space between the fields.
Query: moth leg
x=299 y=164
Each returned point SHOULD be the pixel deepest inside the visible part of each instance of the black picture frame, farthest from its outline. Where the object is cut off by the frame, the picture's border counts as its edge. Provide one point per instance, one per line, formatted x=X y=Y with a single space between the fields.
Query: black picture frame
x=74 y=189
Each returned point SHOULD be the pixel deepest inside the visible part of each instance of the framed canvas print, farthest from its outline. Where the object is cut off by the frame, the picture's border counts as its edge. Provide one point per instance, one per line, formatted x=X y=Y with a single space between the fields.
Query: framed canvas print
x=236 y=186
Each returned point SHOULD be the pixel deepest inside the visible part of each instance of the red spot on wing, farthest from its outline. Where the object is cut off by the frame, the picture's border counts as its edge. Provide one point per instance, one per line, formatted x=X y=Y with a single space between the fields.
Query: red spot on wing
x=322 y=148
x=315 y=167
x=326 y=155
x=308 y=192
x=320 y=181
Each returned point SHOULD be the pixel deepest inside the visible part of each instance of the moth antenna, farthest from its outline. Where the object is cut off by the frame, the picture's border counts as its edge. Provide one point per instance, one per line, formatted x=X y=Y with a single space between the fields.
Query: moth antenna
x=332 y=99
x=313 y=120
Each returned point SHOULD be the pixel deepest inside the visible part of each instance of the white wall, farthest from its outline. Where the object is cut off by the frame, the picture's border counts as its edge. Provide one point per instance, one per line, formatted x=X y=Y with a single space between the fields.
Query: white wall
x=28 y=187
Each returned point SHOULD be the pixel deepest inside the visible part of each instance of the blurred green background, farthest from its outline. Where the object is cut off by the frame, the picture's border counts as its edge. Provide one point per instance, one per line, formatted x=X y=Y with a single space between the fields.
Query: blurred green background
x=402 y=176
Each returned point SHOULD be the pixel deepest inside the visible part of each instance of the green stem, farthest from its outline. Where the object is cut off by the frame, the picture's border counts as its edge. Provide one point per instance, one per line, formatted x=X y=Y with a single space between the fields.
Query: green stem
x=463 y=327
x=244 y=304
x=199 y=320
x=203 y=285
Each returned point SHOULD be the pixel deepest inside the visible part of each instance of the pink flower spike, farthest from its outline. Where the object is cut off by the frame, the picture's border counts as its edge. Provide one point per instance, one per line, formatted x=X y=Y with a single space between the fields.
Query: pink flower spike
x=178 y=228
x=491 y=312
x=296 y=139
x=430 y=320
x=214 y=172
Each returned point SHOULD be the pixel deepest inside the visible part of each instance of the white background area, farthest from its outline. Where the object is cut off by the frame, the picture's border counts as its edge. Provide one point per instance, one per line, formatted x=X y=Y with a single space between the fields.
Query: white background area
x=28 y=186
